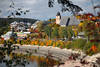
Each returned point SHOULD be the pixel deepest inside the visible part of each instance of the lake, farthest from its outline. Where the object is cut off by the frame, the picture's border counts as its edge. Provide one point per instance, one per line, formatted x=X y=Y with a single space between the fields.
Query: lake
x=26 y=60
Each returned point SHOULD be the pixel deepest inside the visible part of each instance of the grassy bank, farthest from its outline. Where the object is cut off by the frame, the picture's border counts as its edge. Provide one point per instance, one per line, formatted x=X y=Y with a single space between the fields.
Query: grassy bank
x=89 y=48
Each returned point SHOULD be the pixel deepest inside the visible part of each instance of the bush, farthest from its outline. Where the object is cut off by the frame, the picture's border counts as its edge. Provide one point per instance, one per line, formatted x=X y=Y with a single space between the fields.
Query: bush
x=98 y=47
x=89 y=48
x=77 y=44
x=1 y=41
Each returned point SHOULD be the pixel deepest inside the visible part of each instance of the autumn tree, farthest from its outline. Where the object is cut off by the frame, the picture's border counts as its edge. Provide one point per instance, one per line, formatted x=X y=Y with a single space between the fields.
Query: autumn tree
x=51 y=20
x=40 y=26
x=13 y=37
x=91 y=32
x=80 y=27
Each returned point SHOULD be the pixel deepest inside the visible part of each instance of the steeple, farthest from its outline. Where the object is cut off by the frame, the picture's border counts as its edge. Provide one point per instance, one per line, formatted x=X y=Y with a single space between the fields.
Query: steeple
x=58 y=14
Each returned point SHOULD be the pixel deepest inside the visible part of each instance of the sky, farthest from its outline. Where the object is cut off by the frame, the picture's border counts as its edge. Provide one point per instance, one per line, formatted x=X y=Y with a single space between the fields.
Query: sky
x=39 y=8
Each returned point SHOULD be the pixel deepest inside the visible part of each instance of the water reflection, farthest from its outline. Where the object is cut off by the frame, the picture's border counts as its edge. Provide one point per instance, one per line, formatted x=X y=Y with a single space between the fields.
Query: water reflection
x=10 y=59
x=24 y=60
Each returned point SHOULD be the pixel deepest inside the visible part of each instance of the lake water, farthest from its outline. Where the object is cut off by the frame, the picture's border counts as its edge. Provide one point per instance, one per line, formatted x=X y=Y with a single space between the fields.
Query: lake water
x=26 y=60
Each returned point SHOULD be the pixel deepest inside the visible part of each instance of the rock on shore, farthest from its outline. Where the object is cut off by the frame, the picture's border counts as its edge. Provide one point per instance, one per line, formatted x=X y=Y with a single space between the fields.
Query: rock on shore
x=62 y=55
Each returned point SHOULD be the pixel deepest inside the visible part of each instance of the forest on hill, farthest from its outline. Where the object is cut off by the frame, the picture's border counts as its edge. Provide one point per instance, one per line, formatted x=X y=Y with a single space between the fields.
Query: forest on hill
x=4 y=23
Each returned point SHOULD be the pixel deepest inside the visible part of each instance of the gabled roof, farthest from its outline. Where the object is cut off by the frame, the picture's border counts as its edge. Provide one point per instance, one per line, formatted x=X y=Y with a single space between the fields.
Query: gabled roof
x=65 y=21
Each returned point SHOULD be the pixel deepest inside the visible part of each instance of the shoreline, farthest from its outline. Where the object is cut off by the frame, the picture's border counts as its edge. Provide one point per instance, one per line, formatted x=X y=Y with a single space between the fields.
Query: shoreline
x=61 y=55
x=57 y=53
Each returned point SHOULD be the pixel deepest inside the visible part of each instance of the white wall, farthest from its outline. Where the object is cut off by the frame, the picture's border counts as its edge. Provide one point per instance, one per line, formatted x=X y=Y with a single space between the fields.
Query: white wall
x=58 y=19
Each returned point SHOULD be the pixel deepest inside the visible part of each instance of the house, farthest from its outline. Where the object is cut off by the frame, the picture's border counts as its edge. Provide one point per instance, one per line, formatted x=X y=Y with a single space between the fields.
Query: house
x=65 y=20
x=13 y=24
x=35 y=24
x=7 y=35
x=81 y=35
x=22 y=35
x=20 y=26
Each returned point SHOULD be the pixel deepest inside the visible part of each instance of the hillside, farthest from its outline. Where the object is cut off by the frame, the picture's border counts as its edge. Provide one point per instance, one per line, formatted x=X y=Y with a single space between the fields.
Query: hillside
x=4 y=23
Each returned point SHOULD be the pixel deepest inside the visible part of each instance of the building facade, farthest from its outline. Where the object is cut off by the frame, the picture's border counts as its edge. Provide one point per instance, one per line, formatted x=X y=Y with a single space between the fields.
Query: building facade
x=66 y=20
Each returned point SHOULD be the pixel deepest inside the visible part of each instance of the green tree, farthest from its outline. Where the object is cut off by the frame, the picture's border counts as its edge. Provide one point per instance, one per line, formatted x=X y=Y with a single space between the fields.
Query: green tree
x=48 y=31
x=70 y=32
x=63 y=32
x=55 y=33
x=52 y=20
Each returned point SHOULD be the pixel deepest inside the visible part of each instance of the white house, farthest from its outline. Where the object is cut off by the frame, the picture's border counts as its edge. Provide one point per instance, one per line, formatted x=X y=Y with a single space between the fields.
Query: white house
x=34 y=25
x=20 y=26
x=7 y=35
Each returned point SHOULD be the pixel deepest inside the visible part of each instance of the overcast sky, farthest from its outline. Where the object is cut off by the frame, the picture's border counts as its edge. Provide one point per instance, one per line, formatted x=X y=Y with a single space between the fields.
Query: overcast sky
x=39 y=8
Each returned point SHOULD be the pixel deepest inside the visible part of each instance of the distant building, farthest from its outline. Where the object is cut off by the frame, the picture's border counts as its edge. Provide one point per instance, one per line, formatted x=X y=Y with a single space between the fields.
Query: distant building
x=22 y=35
x=81 y=35
x=13 y=24
x=65 y=20
x=20 y=26
x=7 y=35
x=35 y=24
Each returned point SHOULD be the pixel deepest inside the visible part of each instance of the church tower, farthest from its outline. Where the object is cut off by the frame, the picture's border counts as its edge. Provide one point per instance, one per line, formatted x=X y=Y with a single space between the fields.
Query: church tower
x=58 y=18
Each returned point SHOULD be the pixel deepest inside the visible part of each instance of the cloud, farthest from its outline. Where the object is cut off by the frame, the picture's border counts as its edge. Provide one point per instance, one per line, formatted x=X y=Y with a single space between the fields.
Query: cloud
x=86 y=5
x=39 y=8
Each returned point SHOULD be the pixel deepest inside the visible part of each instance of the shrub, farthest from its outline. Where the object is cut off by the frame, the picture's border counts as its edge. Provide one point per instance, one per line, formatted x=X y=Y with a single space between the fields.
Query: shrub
x=76 y=44
x=91 y=48
x=98 y=47
x=1 y=41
